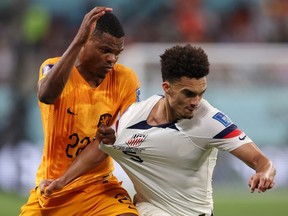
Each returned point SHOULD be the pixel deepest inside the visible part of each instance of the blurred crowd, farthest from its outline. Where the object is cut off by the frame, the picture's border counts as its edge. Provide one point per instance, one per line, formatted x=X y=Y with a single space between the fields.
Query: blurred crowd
x=33 y=30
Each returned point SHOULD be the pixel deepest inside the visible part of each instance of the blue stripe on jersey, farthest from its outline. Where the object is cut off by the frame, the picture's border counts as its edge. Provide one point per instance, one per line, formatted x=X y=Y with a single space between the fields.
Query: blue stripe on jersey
x=225 y=132
x=144 y=125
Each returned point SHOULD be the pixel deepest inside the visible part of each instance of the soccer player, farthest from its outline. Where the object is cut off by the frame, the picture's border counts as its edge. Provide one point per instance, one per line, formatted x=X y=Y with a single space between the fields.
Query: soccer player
x=78 y=92
x=168 y=144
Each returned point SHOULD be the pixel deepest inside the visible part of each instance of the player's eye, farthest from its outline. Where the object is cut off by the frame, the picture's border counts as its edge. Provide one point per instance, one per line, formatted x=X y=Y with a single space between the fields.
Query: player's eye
x=103 y=50
x=190 y=94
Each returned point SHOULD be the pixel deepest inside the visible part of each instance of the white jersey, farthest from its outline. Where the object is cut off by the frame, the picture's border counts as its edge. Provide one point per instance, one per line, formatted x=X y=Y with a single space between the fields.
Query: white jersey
x=171 y=165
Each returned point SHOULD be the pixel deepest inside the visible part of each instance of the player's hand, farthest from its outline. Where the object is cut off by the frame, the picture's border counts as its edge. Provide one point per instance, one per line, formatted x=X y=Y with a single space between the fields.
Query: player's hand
x=89 y=22
x=262 y=182
x=47 y=186
x=106 y=134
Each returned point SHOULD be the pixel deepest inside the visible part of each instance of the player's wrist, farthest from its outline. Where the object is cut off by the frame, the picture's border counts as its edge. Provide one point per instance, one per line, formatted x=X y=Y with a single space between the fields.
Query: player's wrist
x=96 y=139
x=61 y=182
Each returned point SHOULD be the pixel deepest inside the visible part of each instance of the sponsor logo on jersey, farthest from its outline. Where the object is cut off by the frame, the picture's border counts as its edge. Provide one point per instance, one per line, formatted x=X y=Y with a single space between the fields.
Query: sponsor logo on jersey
x=105 y=119
x=222 y=118
x=243 y=137
x=136 y=140
x=70 y=111
x=129 y=149
x=46 y=69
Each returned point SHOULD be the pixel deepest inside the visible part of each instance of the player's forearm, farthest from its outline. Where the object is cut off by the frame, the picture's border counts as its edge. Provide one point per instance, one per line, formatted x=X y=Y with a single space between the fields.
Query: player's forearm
x=250 y=154
x=255 y=158
x=89 y=158
x=51 y=87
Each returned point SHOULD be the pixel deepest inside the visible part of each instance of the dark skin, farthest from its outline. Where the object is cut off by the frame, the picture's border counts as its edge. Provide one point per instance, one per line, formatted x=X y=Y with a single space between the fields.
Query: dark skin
x=87 y=161
x=93 y=56
x=98 y=57
x=104 y=134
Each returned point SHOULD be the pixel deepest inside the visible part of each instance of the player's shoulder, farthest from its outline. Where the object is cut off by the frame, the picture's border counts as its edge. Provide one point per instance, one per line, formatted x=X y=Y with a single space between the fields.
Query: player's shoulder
x=125 y=76
x=123 y=70
x=214 y=112
x=50 y=61
x=206 y=110
x=47 y=65
x=137 y=112
x=207 y=120
x=212 y=116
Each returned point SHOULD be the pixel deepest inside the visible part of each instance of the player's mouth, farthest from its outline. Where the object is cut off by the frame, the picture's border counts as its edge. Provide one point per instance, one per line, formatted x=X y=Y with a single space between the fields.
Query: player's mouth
x=191 y=109
x=108 y=68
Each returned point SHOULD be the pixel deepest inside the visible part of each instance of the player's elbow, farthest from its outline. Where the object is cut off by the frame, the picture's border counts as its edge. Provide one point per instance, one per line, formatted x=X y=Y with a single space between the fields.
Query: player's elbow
x=45 y=95
x=45 y=98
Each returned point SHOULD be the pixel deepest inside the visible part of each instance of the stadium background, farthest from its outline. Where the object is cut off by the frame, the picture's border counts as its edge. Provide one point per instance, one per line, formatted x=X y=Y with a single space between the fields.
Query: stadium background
x=247 y=46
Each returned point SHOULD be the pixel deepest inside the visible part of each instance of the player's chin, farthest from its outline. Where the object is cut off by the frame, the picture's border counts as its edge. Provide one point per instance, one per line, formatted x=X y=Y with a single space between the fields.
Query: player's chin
x=103 y=74
x=188 y=116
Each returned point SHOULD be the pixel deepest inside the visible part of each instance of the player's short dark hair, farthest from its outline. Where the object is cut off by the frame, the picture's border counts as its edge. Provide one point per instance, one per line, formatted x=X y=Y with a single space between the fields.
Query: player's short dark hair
x=109 y=23
x=188 y=61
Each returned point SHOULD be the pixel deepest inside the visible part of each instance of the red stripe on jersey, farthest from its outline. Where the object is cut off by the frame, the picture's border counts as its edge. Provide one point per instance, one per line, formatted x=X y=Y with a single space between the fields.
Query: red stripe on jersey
x=229 y=132
x=234 y=133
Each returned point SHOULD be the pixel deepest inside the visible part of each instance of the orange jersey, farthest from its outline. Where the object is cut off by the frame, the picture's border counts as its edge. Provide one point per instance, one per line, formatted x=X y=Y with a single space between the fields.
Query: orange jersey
x=71 y=122
x=101 y=199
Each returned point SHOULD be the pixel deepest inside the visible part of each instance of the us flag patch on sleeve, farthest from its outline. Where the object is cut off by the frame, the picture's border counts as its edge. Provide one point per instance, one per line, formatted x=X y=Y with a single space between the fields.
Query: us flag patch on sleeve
x=46 y=69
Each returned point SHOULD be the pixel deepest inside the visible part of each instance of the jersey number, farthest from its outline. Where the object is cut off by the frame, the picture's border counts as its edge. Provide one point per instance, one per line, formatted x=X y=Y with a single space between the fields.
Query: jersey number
x=133 y=157
x=72 y=149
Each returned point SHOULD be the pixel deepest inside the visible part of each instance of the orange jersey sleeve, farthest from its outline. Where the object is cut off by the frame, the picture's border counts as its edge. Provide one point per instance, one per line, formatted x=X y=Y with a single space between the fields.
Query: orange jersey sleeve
x=70 y=124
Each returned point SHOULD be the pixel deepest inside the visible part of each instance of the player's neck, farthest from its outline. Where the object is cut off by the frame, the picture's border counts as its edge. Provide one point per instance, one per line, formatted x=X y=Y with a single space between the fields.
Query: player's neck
x=93 y=81
x=160 y=114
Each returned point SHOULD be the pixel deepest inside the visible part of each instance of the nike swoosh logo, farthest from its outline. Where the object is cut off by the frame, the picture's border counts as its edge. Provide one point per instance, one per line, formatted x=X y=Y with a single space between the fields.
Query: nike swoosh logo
x=70 y=112
x=242 y=138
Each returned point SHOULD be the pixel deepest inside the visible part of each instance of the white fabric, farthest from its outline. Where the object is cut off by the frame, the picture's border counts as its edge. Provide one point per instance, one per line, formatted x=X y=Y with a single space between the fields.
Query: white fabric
x=147 y=209
x=171 y=166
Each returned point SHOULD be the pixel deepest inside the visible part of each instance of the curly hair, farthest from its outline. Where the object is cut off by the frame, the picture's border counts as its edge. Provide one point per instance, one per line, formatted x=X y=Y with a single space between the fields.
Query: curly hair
x=188 y=61
x=109 y=23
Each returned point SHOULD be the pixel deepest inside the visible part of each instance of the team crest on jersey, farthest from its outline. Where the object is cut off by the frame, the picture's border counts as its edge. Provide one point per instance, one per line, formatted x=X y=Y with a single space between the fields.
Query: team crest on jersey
x=222 y=118
x=46 y=69
x=136 y=140
x=105 y=119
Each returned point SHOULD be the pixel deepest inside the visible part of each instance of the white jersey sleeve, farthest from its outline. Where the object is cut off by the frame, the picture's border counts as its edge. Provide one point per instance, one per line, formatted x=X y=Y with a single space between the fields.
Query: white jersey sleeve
x=212 y=128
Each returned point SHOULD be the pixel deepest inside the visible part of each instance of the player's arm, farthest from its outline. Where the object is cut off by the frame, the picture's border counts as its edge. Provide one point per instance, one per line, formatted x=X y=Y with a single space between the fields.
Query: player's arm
x=50 y=87
x=263 y=178
x=89 y=158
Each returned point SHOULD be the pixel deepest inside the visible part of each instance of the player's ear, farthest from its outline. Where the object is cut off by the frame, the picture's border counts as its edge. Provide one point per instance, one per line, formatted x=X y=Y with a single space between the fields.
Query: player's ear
x=166 y=87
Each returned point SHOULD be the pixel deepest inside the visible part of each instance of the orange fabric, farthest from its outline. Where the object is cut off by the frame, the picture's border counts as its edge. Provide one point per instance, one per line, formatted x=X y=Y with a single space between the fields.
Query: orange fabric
x=70 y=124
x=90 y=200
